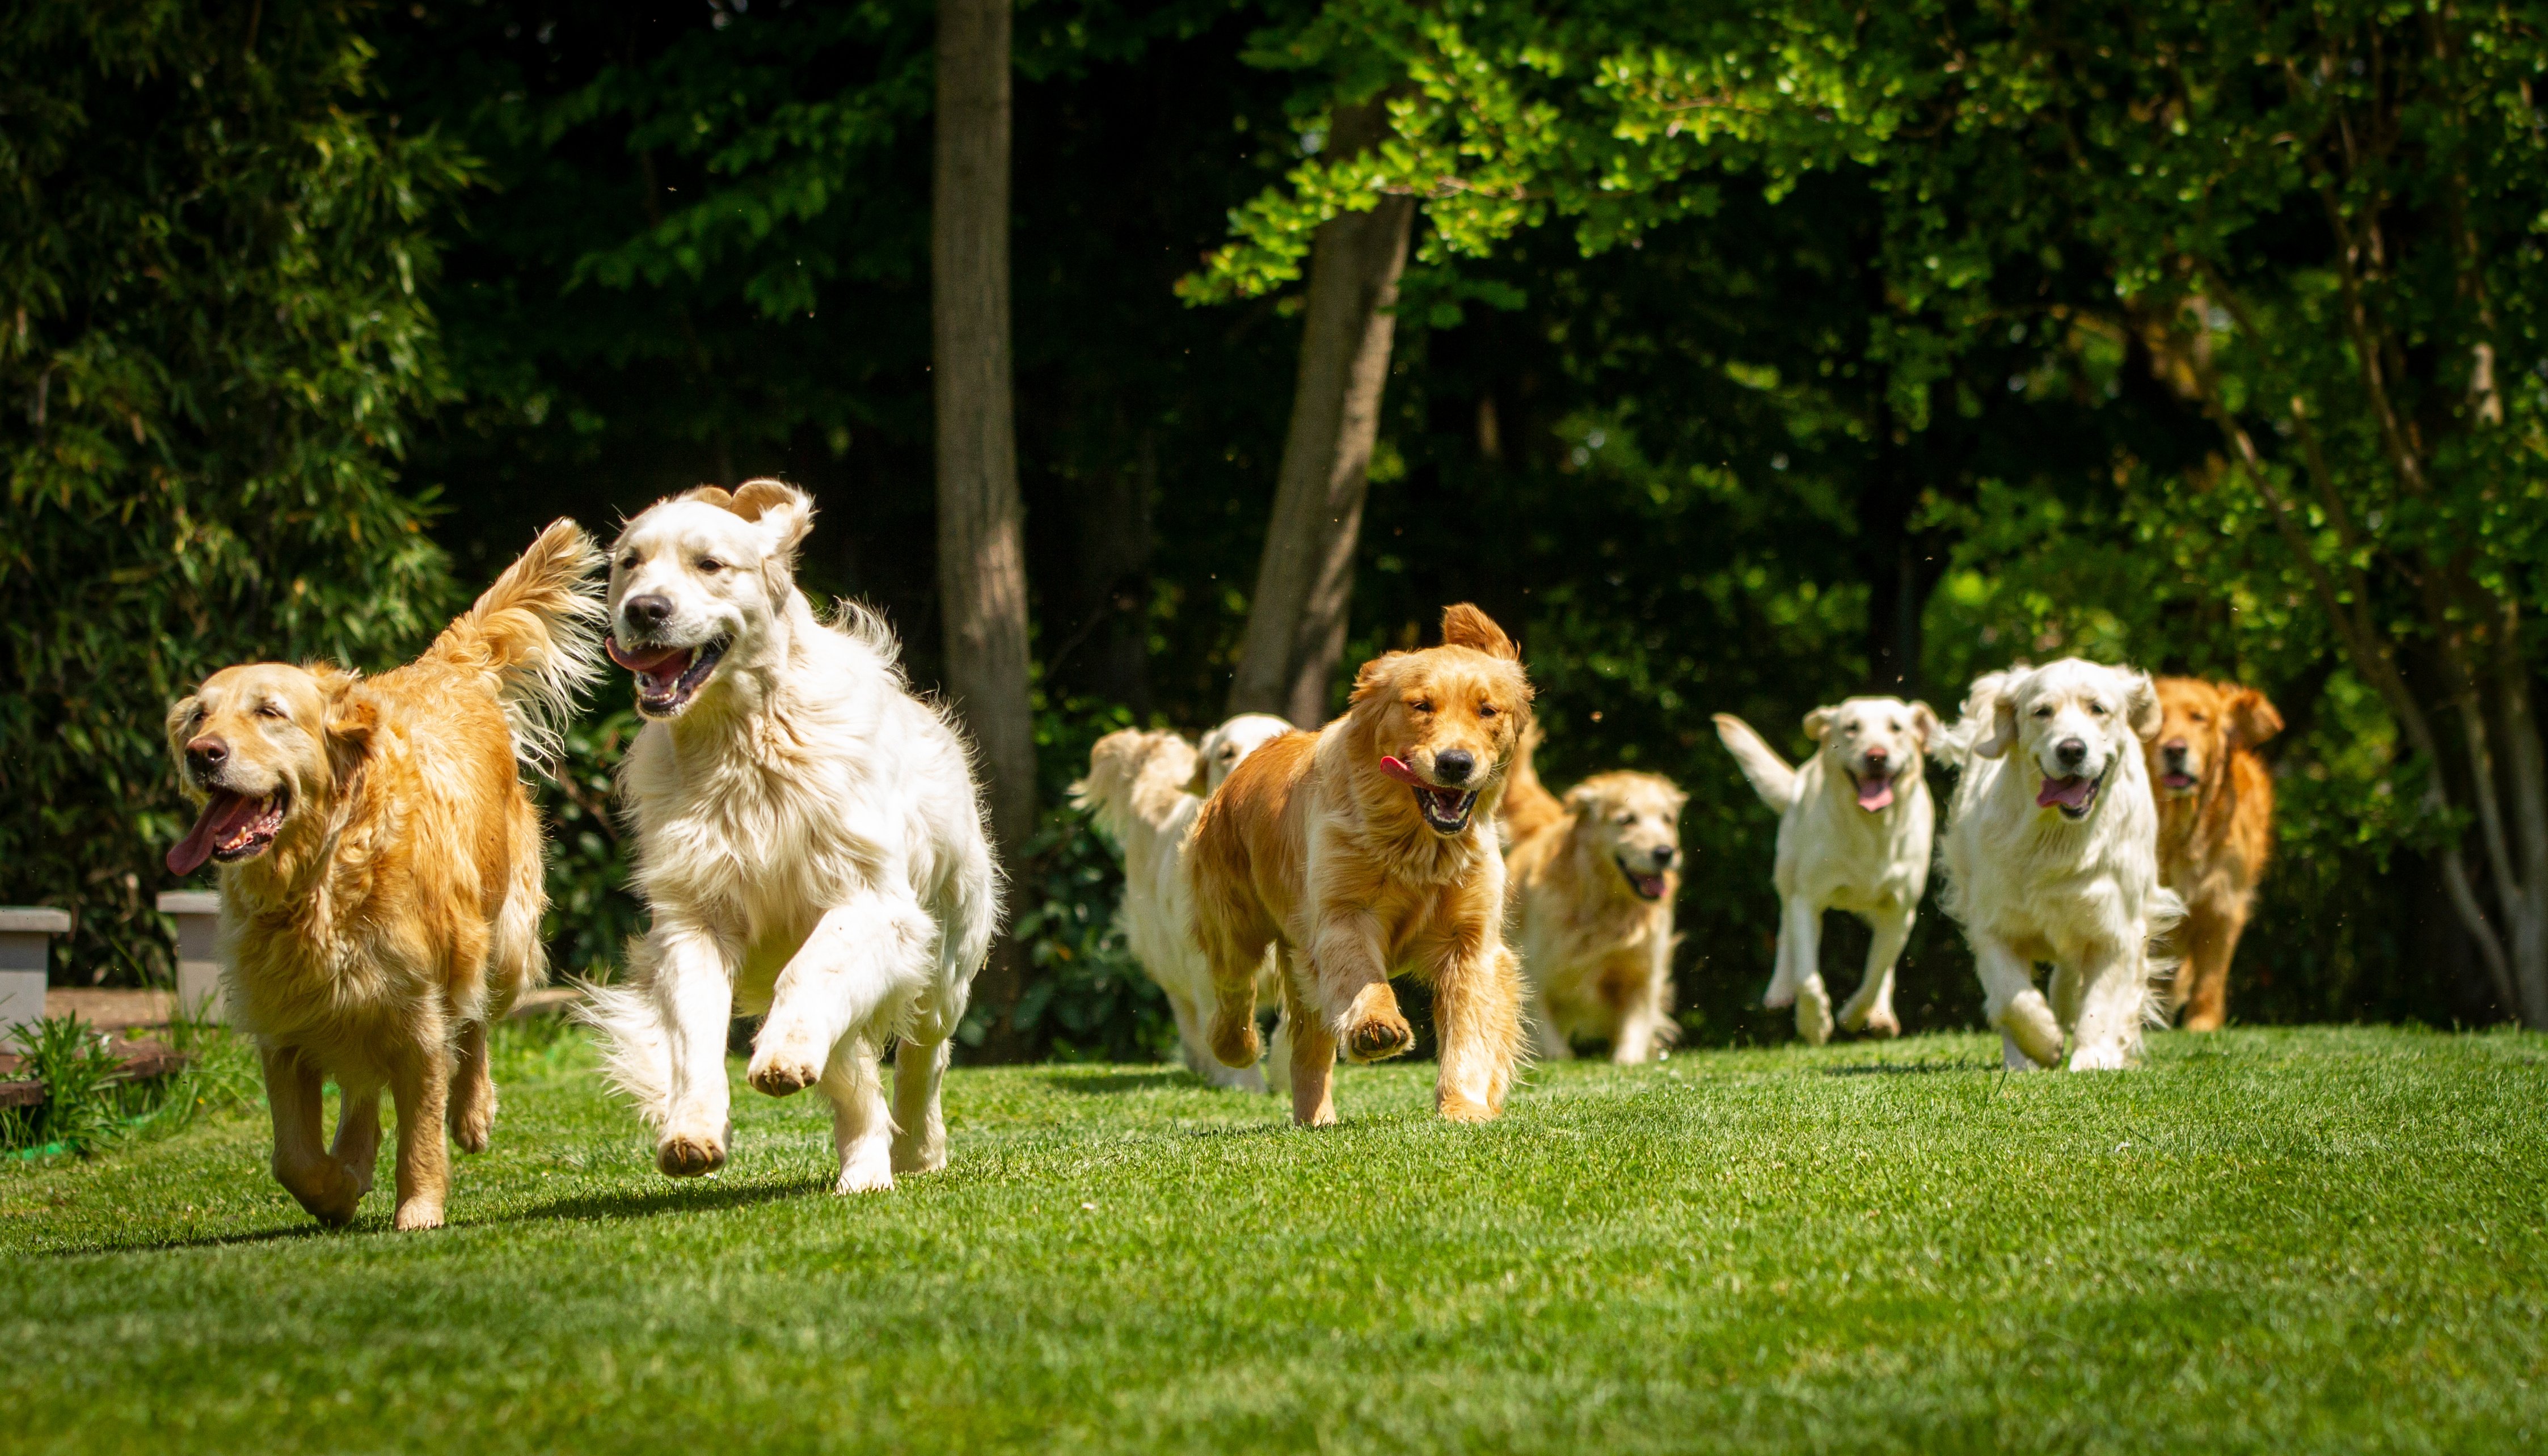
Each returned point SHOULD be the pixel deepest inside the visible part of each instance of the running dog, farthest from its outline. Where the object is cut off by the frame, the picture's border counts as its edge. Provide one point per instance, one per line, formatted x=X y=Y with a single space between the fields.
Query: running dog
x=1369 y=848
x=381 y=878
x=1856 y=825
x=1141 y=791
x=1593 y=877
x=2053 y=856
x=2216 y=827
x=809 y=839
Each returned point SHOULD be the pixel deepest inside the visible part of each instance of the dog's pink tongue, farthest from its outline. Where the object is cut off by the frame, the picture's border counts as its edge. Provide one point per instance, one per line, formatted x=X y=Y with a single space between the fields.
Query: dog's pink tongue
x=1874 y=793
x=2069 y=793
x=647 y=660
x=1397 y=769
x=225 y=815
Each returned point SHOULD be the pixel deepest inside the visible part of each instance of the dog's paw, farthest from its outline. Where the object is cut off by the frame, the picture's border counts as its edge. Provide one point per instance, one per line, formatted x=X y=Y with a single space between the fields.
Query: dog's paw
x=1374 y=1028
x=2107 y=1058
x=1814 y=1019
x=417 y=1213
x=685 y=1155
x=868 y=1168
x=1456 y=1108
x=1237 y=1043
x=1884 y=1024
x=781 y=1076
x=472 y=1128
x=2028 y=1022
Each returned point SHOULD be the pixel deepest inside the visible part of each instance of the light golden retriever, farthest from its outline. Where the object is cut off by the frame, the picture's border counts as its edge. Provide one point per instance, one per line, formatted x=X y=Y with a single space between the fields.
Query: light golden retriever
x=1856 y=826
x=380 y=872
x=809 y=839
x=1593 y=879
x=2053 y=856
x=1142 y=790
x=2216 y=827
x=1369 y=848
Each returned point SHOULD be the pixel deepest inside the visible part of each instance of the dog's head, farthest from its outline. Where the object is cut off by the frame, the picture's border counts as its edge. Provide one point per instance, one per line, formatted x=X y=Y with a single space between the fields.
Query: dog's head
x=701 y=581
x=1874 y=741
x=2200 y=725
x=260 y=750
x=1234 y=739
x=1633 y=820
x=2074 y=721
x=1444 y=721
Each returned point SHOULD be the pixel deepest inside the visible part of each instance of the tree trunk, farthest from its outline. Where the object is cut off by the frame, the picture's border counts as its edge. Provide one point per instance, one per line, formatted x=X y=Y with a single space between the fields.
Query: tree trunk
x=981 y=557
x=1296 y=621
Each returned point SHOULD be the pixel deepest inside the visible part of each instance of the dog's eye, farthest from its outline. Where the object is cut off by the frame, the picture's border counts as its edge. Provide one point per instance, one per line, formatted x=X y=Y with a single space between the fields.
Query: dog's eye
x=269 y=710
x=2097 y=708
x=628 y=563
x=711 y=565
x=1485 y=710
x=2045 y=711
x=1425 y=705
x=2197 y=718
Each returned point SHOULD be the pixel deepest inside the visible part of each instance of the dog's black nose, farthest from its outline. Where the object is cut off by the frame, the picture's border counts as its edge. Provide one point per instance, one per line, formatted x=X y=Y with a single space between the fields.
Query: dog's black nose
x=207 y=752
x=1664 y=855
x=647 y=612
x=2174 y=748
x=1455 y=765
x=2070 y=750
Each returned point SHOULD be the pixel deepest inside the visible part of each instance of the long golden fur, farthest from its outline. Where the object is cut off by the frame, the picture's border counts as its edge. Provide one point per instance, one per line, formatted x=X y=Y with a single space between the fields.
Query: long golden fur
x=1369 y=848
x=381 y=876
x=2216 y=827
x=1593 y=877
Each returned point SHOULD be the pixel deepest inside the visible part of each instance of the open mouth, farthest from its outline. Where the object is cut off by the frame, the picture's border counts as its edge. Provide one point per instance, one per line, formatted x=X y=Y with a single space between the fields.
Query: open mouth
x=2176 y=782
x=232 y=828
x=1875 y=792
x=1648 y=886
x=1445 y=810
x=668 y=677
x=2074 y=795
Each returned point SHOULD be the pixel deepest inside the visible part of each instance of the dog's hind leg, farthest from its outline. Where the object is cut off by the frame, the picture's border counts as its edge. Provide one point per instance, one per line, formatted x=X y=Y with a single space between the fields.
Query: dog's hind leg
x=473 y=1092
x=2030 y=1036
x=859 y=955
x=919 y=1124
x=862 y=1130
x=1870 y=1008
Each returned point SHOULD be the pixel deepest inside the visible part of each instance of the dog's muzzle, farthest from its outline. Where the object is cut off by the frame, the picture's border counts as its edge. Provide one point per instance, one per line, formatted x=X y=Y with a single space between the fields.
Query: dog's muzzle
x=668 y=678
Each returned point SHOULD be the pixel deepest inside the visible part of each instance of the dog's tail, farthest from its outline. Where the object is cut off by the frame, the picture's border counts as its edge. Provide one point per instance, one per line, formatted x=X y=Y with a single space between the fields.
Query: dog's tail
x=636 y=1047
x=535 y=637
x=1529 y=806
x=1134 y=776
x=1772 y=778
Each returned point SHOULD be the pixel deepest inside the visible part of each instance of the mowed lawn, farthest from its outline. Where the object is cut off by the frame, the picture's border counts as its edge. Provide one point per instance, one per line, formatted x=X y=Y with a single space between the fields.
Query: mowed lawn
x=2319 y=1239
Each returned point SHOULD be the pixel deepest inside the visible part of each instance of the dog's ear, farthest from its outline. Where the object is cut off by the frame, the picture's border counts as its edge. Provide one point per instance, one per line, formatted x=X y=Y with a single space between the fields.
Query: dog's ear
x=2252 y=719
x=180 y=713
x=353 y=720
x=716 y=495
x=2003 y=734
x=781 y=508
x=2141 y=705
x=1373 y=678
x=1463 y=625
x=1818 y=722
x=1924 y=721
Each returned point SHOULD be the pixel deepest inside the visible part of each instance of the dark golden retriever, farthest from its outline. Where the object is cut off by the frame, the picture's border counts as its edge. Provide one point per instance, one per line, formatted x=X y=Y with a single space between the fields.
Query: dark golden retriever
x=2216 y=827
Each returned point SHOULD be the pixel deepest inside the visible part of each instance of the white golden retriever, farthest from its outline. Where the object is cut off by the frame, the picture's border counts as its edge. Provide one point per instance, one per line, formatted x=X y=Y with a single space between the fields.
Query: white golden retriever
x=2053 y=856
x=1856 y=827
x=1140 y=789
x=809 y=839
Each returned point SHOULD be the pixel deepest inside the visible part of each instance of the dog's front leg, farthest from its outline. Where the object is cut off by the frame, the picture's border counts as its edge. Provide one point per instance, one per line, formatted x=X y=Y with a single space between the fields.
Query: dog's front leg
x=2113 y=997
x=919 y=1122
x=873 y=951
x=1800 y=952
x=2030 y=1036
x=1476 y=1018
x=694 y=988
x=1348 y=976
x=1870 y=1009
x=420 y=1086
x=318 y=1182
x=1311 y=1067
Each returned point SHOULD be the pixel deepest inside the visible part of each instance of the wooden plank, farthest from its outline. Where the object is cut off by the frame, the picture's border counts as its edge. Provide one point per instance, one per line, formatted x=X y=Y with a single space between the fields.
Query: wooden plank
x=21 y=1094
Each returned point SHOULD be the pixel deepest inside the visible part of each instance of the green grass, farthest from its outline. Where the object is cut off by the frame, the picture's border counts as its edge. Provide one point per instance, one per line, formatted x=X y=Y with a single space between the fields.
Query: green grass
x=2321 y=1239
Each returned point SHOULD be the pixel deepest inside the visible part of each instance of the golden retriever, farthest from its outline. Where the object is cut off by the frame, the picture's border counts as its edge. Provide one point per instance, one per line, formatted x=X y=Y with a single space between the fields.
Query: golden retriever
x=1593 y=882
x=2053 y=856
x=1856 y=825
x=2216 y=827
x=1142 y=790
x=1369 y=848
x=809 y=841
x=380 y=872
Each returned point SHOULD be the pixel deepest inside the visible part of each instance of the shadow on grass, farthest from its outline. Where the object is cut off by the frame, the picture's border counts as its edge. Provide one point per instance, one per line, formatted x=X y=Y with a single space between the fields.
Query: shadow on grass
x=1094 y=1084
x=1904 y=1068
x=146 y=1246
x=668 y=1198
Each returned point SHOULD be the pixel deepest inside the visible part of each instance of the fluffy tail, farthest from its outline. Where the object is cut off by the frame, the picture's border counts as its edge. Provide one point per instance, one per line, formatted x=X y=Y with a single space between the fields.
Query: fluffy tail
x=1134 y=776
x=536 y=637
x=1772 y=778
x=1529 y=806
